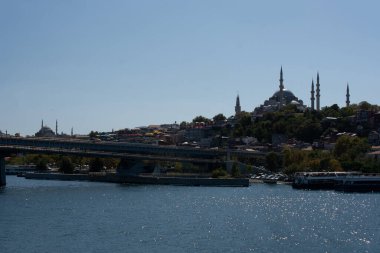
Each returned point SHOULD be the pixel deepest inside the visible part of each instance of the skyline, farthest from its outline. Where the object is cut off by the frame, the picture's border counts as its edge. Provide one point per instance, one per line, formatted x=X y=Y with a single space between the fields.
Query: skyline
x=124 y=64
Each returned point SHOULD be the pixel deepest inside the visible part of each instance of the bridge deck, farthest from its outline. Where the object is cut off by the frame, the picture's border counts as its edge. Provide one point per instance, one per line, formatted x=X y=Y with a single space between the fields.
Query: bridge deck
x=116 y=149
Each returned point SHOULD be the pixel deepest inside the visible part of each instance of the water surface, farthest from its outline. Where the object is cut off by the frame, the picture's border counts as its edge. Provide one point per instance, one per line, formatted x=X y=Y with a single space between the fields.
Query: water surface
x=62 y=216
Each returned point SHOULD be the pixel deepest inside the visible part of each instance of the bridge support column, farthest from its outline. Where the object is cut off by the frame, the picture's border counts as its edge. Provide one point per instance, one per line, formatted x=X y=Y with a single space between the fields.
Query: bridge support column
x=229 y=165
x=3 y=180
x=130 y=167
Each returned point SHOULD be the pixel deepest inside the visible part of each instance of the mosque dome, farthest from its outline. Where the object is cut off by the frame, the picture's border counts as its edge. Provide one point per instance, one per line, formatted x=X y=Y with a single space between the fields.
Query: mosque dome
x=294 y=102
x=278 y=99
x=45 y=132
x=288 y=96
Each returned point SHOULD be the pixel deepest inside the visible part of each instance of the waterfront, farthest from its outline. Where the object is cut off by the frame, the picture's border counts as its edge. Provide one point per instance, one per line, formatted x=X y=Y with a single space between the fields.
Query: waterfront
x=67 y=216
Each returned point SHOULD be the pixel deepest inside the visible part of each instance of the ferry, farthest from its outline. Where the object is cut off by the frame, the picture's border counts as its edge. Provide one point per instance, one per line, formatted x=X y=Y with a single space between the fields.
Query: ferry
x=319 y=180
x=359 y=183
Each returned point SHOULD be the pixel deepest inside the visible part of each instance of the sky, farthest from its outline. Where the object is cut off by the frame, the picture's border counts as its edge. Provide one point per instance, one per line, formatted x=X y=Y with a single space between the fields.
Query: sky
x=103 y=65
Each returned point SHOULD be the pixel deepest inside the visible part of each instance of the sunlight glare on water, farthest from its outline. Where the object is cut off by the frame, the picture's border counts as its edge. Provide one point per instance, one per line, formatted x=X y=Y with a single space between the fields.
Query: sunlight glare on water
x=55 y=216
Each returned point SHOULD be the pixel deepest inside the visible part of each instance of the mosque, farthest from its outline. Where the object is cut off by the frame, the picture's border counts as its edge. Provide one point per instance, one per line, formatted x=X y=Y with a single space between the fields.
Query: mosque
x=284 y=97
x=46 y=131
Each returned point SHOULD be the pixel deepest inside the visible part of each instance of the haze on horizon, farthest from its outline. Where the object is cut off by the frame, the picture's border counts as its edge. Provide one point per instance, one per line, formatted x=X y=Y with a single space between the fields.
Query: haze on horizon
x=96 y=65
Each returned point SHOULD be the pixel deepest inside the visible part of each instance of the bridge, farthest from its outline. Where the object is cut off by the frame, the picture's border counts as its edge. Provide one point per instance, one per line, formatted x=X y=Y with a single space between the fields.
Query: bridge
x=123 y=150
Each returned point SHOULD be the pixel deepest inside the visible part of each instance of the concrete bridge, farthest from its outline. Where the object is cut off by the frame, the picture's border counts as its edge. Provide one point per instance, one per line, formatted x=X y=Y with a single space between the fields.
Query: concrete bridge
x=126 y=151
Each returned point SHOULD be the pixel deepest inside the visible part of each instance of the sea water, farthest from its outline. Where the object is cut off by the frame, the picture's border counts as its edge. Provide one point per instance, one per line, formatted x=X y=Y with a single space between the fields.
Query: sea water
x=67 y=216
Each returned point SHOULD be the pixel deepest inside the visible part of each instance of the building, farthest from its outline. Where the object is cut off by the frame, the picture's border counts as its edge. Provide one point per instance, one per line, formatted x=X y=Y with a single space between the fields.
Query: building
x=45 y=131
x=279 y=99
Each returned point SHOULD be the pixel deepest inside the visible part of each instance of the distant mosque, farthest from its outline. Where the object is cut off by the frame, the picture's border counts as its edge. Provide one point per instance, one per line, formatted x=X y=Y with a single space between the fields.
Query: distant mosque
x=46 y=131
x=281 y=98
x=284 y=97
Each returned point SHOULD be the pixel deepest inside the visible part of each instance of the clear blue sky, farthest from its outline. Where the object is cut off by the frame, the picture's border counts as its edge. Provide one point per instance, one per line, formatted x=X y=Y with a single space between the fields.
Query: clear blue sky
x=103 y=65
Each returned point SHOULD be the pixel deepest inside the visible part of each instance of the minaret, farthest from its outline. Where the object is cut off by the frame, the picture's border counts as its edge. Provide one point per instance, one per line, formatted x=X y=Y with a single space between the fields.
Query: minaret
x=56 y=127
x=312 y=99
x=281 y=88
x=348 y=96
x=42 y=124
x=318 y=94
x=72 y=131
x=237 y=106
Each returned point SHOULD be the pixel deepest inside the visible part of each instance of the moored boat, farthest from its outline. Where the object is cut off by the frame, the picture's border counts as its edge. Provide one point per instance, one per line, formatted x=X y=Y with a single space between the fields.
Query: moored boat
x=319 y=180
x=270 y=180
x=359 y=183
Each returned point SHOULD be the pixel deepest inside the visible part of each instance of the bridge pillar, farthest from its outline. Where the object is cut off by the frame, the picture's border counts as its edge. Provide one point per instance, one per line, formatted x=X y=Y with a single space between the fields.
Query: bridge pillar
x=229 y=164
x=3 y=180
x=130 y=167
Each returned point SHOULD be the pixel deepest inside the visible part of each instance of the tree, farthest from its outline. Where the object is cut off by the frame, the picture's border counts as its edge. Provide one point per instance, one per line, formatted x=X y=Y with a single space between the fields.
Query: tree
x=41 y=165
x=219 y=117
x=183 y=125
x=96 y=165
x=332 y=111
x=263 y=130
x=273 y=162
x=201 y=119
x=245 y=119
x=178 y=167
x=348 y=147
x=220 y=172
x=238 y=130
x=66 y=166
x=235 y=172
x=308 y=131
x=41 y=162
x=365 y=105
x=93 y=134
x=347 y=111
x=110 y=163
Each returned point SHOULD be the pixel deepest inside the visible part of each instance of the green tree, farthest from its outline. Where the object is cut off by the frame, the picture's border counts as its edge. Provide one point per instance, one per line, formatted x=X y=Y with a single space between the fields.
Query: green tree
x=273 y=161
x=41 y=165
x=347 y=111
x=219 y=172
x=219 y=117
x=183 y=125
x=365 y=105
x=235 y=172
x=238 y=130
x=245 y=119
x=96 y=164
x=332 y=111
x=201 y=119
x=110 y=163
x=309 y=131
x=65 y=165
x=93 y=134
x=178 y=167
x=348 y=147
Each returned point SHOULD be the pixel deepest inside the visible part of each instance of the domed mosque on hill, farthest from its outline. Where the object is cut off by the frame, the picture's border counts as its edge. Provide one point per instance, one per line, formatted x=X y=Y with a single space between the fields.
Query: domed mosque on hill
x=284 y=97
x=46 y=131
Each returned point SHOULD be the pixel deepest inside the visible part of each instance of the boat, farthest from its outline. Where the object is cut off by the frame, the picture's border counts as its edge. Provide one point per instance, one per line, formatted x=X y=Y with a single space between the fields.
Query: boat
x=319 y=180
x=270 y=180
x=359 y=183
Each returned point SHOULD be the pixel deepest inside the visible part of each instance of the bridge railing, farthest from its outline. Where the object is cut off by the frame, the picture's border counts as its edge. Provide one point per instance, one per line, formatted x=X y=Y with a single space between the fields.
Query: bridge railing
x=122 y=147
x=110 y=147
